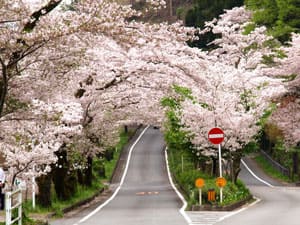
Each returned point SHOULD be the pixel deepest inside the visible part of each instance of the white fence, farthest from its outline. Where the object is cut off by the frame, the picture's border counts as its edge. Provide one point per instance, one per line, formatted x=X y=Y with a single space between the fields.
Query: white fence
x=13 y=200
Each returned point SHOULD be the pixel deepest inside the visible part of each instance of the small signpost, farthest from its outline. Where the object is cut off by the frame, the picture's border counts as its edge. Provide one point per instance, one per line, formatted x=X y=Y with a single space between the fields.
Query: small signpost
x=216 y=136
x=199 y=183
x=221 y=182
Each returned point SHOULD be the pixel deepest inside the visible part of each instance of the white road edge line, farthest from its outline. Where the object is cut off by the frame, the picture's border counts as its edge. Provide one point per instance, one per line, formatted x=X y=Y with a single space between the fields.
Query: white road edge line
x=119 y=187
x=256 y=199
x=253 y=174
x=182 y=209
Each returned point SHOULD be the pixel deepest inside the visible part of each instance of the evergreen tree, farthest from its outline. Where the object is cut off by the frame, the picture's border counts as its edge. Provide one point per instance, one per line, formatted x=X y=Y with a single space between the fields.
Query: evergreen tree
x=206 y=10
x=281 y=17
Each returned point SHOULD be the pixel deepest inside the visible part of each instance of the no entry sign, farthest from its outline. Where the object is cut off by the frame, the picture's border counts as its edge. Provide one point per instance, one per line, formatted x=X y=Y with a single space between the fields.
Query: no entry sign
x=216 y=135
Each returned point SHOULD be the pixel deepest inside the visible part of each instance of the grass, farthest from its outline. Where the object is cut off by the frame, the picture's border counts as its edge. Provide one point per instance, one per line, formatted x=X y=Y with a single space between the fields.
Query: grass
x=110 y=165
x=57 y=207
x=270 y=170
x=83 y=192
x=185 y=174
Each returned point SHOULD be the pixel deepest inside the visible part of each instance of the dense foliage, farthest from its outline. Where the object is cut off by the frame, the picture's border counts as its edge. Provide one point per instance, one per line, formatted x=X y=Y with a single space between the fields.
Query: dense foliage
x=281 y=17
x=61 y=104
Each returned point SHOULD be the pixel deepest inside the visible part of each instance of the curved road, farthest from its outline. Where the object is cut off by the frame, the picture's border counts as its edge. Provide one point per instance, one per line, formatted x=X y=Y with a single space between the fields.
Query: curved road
x=277 y=204
x=145 y=197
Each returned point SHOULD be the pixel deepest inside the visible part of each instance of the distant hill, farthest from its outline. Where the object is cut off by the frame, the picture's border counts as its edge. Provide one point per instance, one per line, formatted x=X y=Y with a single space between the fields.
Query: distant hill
x=174 y=10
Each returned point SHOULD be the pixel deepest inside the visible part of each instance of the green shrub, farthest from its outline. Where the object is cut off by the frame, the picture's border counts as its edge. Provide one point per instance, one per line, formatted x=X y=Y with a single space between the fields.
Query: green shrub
x=186 y=175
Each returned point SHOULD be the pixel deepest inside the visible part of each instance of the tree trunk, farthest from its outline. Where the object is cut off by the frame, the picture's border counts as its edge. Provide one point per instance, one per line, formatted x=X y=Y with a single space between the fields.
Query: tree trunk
x=65 y=182
x=80 y=177
x=89 y=171
x=44 y=195
x=3 y=88
x=59 y=175
x=171 y=7
x=295 y=163
x=214 y=167
x=236 y=166
x=71 y=185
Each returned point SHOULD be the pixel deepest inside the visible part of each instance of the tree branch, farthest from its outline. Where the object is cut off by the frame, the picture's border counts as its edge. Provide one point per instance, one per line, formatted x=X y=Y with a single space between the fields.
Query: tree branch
x=87 y=118
x=39 y=13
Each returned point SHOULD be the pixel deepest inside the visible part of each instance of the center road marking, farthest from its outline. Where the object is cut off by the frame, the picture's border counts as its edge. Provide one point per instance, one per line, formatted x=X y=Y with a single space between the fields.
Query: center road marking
x=182 y=209
x=147 y=193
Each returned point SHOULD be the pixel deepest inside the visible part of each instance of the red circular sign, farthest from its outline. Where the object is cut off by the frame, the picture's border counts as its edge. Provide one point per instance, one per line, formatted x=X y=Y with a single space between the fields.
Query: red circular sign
x=216 y=135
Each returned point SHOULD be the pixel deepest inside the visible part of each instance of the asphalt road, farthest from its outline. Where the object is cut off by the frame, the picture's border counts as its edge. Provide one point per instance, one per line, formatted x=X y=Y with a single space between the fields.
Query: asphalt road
x=277 y=203
x=145 y=197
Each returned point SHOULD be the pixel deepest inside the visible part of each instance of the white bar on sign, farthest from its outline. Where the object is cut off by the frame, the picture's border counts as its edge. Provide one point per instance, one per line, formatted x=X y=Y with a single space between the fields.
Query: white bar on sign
x=216 y=136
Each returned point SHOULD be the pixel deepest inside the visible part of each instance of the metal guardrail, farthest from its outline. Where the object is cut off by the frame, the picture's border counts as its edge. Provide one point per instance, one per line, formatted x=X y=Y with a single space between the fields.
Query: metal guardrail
x=285 y=171
x=13 y=200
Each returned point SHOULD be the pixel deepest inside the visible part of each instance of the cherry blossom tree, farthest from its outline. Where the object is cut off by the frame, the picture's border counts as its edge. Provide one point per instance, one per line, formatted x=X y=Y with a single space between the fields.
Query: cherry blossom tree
x=258 y=82
x=120 y=69
x=235 y=94
x=29 y=29
x=38 y=58
x=237 y=89
x=241 y=43
x=29 y=144
x=286 y=116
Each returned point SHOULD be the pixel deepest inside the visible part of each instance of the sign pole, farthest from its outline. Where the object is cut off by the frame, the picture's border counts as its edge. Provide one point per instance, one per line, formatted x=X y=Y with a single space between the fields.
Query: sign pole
x=33 y=192
x=182 y=163
x=200 y=196
x=220 y=161
x=33 y=189
x=199 y=183
x=221 y=182
x=220 y=169
x=216 y=136
x=221 y=195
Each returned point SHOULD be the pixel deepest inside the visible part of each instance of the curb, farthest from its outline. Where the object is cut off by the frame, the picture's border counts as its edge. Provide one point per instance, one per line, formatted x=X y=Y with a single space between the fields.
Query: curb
x=115 y=178
x=123 y=157
x=77 y=204
x=230 y=207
